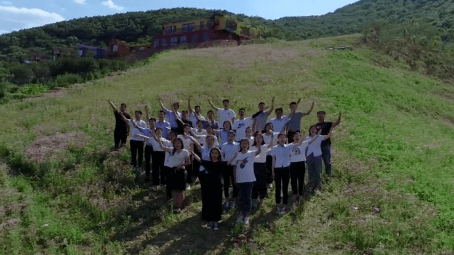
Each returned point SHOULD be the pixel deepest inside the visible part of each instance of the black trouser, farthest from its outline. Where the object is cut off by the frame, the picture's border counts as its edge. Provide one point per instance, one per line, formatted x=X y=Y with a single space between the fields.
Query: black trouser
x=157 y=159
x=297 y=172
x=168 y=172
x=120 y=137
x=136 y=146
x=282 y=176
x=261 y=174
x=269 y=162
x=227 y=173
x=148 y=153
x=195 y=163
x=189 y=172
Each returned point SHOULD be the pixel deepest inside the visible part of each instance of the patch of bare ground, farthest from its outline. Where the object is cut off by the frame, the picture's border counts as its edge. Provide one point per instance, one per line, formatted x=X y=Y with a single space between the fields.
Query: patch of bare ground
x=8 y=224
x=244 y=55
x=50 y=147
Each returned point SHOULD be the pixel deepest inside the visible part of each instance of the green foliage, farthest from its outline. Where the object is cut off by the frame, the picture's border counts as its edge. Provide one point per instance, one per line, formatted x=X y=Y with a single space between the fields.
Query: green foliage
x=66 y=79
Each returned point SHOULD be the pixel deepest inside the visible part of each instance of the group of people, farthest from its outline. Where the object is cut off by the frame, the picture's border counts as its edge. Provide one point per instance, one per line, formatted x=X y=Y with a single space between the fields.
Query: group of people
x=244 y=155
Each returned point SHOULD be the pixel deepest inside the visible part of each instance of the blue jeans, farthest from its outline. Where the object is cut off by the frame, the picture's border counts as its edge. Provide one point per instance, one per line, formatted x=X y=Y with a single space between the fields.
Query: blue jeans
x=245 y=196
x=314 y=168
x=326 y=155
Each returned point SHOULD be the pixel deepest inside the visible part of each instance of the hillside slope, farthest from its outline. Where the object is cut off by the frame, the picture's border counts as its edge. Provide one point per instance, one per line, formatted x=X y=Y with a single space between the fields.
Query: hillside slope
x=393 y=184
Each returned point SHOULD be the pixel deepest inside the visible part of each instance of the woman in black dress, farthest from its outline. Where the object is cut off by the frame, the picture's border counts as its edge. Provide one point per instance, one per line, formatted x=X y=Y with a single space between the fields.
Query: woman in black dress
x=211 y=187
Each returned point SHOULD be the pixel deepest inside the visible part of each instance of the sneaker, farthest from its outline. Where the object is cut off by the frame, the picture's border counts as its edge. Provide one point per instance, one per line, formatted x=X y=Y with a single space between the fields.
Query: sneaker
x=232 y=204
x=283 y=210
x=177 y=211
x=210 y=225
x=246 y=220
x=216 y=226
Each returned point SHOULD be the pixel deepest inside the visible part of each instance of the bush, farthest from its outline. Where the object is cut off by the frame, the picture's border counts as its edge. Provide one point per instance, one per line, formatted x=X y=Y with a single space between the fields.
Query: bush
x=66 y=79
x=22 y=73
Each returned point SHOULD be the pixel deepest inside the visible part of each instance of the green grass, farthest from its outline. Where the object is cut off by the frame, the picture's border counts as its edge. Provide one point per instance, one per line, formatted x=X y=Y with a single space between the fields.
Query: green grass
x=393 y=151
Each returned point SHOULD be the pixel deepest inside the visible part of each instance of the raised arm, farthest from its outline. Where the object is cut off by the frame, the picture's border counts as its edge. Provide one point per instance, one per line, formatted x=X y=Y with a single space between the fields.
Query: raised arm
x=329 y=133
x=144 y=136
x=298 y=102
x=271 y=109
x=197 y=144
x=338 y=121
x=126 y=120
x=162 y=106
x=231 y=160
x=314 y=138
x=112 y=105
x=310 y=110
x=212 y=105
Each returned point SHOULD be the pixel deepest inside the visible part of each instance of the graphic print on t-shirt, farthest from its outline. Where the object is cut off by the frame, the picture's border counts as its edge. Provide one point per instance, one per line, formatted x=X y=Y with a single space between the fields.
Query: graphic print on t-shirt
x=242 y=165
x=296 y=151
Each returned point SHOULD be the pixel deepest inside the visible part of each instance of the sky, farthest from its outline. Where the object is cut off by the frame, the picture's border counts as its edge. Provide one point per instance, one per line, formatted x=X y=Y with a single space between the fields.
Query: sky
x=22 y=14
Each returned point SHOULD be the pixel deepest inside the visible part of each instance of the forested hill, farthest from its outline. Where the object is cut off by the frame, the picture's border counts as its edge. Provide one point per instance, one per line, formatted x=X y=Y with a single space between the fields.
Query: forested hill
x=141 y=26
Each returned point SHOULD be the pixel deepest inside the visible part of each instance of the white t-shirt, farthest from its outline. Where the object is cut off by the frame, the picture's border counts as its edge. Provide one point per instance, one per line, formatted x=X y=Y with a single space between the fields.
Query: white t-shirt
x=225 y=115
x=245 y=171
x=178 y=158
x=193 y=119
x=298 y=152
x=267 y=138
x=315 y=147
x=135 y=131
x=186 y=142
x=240 y=128
x=157 y=147
x=201 y=135
x=261 y=158
x=205 y=156
x=278 y=124
x=281 y=155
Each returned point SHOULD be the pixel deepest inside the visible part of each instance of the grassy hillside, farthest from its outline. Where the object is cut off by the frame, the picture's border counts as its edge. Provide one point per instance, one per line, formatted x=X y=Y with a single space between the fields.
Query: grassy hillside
x=393 y=184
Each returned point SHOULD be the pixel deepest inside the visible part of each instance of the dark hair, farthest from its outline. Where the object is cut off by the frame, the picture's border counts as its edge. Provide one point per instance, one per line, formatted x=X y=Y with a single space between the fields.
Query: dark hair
x=267 y=124
x=138 y=112
x=281 y=134
x=261 y=103
x=123 y=104
x=152 y=119
x=217 y=149
x=174 y=149
x=230 y=124
x=162 y=111
x=184 y=111
x=225 y=100
x=209 y=126
x=278 y=109
x=174 y=133
x=245 y=131
x=312 y=127
x=244 y=139
x=156 y=129
x=321 y=112
x=185 y=125
x=255 y=135
x=196 y=107
x=242 y=109
x=292 y=103
x=176 y=103
x=210 y=111
x=199 y=121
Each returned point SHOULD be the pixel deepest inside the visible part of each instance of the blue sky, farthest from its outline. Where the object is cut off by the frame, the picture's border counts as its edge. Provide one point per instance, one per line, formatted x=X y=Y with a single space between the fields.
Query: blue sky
x=20 y=14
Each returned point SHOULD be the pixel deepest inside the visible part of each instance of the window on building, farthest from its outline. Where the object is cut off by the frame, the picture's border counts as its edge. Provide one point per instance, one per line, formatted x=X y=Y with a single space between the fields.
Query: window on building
x=174 y=41
x=206 y=37
x=81 y=52
x=182 y=39
x=170 y=30
x=114 y=47
x=164 y=42
x=202 y=25
x=156 y=43
x=210 y=24
x=194 y=38
x=191 y=27
x=141 y=48
x=184 y=28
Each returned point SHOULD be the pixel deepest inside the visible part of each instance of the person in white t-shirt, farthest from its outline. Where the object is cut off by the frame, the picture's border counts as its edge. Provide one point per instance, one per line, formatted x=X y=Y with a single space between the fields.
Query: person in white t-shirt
x=270 y=138
x=260 y=191
x=194 y=115
x=189 y=146
x=177 y=161
x=314 y=156
x=250 y=136
x=245 y=178
x=241 y=124
x=224 y=114
x=136 y=141
x=280 y=121
x=281 y=171
x=297 y=164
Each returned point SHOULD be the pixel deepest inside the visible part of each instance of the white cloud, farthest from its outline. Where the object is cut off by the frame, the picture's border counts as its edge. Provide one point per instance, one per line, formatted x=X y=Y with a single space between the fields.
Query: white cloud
x=28 y=18
x=79 y=1
x=110 y=4
x=3 y=31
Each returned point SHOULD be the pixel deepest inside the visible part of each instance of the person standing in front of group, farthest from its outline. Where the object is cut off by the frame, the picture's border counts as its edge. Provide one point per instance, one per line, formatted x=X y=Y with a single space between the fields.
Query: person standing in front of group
x=226 y=113
x=172 y=115
x=326 y=144
x=281 y=171
x=121 y=127
x=294 y=119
